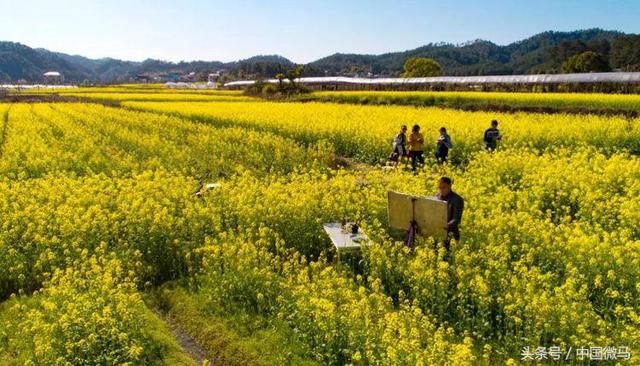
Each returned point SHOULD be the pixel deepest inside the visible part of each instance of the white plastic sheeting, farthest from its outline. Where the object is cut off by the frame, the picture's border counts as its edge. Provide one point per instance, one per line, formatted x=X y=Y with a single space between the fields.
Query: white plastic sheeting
x=35 y=86
x=596 y=77
x=182 y=85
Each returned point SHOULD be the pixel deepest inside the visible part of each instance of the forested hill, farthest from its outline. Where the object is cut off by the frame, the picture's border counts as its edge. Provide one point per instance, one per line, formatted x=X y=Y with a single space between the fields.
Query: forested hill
x=542 y=53
x=22 y=63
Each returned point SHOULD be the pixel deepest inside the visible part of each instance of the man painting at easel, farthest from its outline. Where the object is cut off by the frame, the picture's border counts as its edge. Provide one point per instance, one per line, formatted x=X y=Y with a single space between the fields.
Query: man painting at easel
x=455 y=206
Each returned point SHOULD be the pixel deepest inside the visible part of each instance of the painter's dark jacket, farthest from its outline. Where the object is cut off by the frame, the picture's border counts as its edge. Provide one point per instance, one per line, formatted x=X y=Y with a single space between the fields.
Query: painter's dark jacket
x=455 y=205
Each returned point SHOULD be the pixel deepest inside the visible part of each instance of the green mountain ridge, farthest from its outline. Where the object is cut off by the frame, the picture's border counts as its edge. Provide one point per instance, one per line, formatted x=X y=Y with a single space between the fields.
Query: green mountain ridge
x=541 y=53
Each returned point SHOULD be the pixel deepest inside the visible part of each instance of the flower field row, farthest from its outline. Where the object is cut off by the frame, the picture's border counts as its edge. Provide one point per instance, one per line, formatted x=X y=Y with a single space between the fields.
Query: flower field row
x=559 y=101
x=583 y=102
x=82 y=139
x=366 y=132
x=158 y=97
x=134 y=88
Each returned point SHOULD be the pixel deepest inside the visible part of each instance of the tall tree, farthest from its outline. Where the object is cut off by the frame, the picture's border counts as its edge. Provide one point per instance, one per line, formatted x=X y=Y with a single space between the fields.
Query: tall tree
x=295 y=73
x=586 y=62
x=280 y=76
x=417 y=67
x=625 y=53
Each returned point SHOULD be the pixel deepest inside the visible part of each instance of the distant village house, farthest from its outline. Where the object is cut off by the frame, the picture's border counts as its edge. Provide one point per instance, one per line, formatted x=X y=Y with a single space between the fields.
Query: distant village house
x=53 y=78
x=190 y=77
x=213 y=77
x=167 y=76
x=141 y=78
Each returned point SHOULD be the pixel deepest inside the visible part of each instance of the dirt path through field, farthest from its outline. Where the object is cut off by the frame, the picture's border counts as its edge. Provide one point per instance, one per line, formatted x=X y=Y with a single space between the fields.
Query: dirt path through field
x=187 y=342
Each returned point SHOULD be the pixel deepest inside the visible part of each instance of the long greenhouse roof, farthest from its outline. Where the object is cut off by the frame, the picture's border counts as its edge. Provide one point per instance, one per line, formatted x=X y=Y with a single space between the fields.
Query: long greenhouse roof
x=596 y=77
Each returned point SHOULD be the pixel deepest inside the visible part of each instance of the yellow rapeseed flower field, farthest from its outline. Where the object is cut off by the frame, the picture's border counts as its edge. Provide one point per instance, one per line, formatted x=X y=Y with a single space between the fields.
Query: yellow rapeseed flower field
x=99 y=219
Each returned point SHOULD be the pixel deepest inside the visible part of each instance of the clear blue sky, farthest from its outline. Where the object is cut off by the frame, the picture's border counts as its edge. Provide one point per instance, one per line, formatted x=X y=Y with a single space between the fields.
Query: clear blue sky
x=302 y=30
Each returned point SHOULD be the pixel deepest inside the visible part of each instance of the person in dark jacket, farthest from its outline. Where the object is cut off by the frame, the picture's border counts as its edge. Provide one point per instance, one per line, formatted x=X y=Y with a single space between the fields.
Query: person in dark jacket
x=455 y=206
x=492 y=136
x=443 y=144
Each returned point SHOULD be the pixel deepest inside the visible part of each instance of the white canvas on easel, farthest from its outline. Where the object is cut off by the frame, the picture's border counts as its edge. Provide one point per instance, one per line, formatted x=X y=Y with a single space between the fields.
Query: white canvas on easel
x=429 y=213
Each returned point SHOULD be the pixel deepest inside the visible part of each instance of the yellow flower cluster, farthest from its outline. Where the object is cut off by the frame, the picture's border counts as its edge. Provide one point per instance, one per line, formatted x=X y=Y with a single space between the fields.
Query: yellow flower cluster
x=89 y=312
x=339 y=320
x=48 y=222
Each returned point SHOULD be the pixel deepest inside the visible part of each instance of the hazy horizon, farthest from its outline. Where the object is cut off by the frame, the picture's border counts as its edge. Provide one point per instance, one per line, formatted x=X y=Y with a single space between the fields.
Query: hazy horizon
x=222 y=31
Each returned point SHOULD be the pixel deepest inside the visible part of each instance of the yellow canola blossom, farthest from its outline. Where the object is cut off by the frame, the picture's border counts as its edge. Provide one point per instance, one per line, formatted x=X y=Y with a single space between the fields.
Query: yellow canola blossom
x=90 y=312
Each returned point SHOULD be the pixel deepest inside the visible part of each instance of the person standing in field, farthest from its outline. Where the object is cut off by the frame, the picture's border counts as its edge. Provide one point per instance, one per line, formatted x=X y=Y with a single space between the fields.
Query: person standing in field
x=492 y=136
x=399 y=146
x=443 y=144
x=455 y=206
x=416 y=144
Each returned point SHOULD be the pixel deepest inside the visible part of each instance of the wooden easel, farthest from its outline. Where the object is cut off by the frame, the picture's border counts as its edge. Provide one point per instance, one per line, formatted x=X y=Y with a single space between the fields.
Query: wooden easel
x=426 y=216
